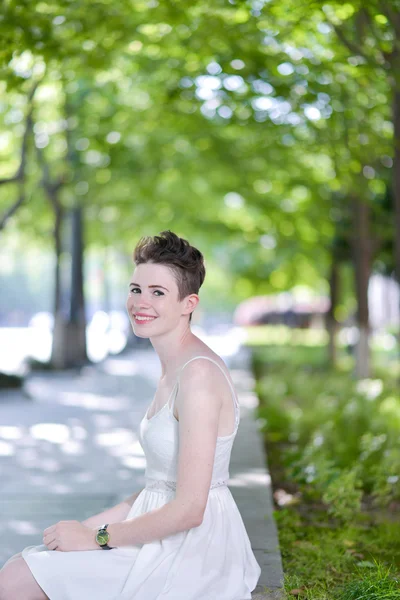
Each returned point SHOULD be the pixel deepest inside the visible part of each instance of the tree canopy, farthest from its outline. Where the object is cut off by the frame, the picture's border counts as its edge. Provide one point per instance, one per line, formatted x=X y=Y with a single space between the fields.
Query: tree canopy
x=244 y=126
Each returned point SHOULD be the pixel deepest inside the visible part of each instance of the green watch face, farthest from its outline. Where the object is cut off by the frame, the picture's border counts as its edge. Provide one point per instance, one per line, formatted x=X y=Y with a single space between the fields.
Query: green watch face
x=102 y=538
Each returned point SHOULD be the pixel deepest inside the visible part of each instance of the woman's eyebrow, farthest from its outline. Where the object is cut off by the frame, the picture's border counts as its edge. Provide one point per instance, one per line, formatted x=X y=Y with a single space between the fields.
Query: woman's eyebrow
x=150 y=286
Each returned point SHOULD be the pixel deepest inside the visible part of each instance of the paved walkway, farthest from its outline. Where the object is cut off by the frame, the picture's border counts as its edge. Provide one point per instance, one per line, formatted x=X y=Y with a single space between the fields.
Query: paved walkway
x=69 y=449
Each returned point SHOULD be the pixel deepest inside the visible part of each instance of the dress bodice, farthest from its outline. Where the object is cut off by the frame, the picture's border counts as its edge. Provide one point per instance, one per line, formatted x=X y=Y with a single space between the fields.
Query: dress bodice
x=159 y=438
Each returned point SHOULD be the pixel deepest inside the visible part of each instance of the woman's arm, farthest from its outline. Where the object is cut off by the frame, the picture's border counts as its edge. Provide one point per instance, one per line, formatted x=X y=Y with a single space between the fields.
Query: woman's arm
x=199 y=411
x=115 y=514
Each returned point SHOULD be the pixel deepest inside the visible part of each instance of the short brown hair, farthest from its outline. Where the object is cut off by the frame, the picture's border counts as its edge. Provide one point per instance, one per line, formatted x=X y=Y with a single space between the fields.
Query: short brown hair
x=184 y=260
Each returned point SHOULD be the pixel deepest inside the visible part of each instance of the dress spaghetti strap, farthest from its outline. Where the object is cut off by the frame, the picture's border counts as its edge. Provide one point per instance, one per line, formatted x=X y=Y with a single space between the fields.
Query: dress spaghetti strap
x=235 y=400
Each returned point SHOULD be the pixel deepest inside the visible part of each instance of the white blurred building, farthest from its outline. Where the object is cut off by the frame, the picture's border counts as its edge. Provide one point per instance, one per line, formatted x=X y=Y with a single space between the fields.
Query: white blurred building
x=383 y=302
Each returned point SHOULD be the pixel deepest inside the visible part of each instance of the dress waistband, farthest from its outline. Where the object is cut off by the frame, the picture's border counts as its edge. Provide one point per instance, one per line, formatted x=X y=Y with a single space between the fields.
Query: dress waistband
x=164 y=485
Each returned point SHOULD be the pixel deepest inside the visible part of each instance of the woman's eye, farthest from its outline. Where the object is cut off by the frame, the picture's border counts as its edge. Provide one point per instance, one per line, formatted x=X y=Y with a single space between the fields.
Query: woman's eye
x=158 y=291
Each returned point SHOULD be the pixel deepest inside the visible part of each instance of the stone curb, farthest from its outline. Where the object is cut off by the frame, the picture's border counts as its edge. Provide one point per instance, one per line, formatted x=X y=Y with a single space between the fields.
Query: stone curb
x=250 y=483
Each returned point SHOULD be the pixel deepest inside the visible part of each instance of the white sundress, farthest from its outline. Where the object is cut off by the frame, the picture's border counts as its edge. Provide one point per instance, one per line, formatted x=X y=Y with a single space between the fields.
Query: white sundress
x=213 y=561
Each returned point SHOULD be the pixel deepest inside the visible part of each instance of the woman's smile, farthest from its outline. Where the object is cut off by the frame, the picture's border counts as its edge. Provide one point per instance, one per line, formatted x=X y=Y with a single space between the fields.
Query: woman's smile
x=141 y=320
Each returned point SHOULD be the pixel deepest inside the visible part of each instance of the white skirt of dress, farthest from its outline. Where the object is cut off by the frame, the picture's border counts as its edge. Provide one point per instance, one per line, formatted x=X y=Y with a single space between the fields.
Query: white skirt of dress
x=213 y=561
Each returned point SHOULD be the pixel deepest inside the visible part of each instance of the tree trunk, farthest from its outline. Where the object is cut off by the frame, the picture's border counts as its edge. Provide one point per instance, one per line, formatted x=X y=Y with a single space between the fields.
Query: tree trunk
x=77 y=330
x=362 y=261
x=69 y=335
x=331 y=323
x=57 y=359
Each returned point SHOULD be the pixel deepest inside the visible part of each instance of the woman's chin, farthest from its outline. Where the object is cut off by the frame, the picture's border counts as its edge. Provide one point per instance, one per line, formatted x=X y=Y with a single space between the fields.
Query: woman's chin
x=142 y=334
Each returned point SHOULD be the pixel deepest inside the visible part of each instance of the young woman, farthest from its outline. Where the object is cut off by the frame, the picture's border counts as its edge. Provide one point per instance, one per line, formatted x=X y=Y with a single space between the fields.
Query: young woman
x=182 y=536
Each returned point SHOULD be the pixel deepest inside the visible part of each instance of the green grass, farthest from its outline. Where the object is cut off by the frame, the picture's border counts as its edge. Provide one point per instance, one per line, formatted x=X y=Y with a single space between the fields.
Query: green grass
x=323 y=560
x=375 y=586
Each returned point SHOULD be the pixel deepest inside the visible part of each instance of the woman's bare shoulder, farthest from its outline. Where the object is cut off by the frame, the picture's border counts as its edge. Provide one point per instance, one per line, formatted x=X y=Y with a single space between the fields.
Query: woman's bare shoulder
x=207 y=353
x=199 y=368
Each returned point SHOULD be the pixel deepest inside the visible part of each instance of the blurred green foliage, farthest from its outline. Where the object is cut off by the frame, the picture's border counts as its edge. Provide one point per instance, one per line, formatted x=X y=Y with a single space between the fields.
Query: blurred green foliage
x=242 y=126
x=340 y=435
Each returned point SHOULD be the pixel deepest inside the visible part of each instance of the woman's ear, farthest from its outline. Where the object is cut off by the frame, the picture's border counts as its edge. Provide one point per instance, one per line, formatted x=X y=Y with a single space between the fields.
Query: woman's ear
x=191 y=302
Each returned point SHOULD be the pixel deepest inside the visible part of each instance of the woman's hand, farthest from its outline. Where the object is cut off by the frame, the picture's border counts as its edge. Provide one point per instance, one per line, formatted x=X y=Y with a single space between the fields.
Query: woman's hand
x=67 y=536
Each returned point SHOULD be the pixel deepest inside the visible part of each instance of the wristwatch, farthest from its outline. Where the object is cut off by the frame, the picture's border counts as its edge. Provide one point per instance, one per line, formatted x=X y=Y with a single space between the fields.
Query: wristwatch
x=103 y=537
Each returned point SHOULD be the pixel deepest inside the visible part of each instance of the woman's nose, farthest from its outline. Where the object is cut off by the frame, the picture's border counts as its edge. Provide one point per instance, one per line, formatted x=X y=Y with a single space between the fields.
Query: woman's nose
x=143 y=301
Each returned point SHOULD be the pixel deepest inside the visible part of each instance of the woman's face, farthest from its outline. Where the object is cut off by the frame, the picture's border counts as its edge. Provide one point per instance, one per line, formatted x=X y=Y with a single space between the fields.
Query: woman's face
x=153 y=293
